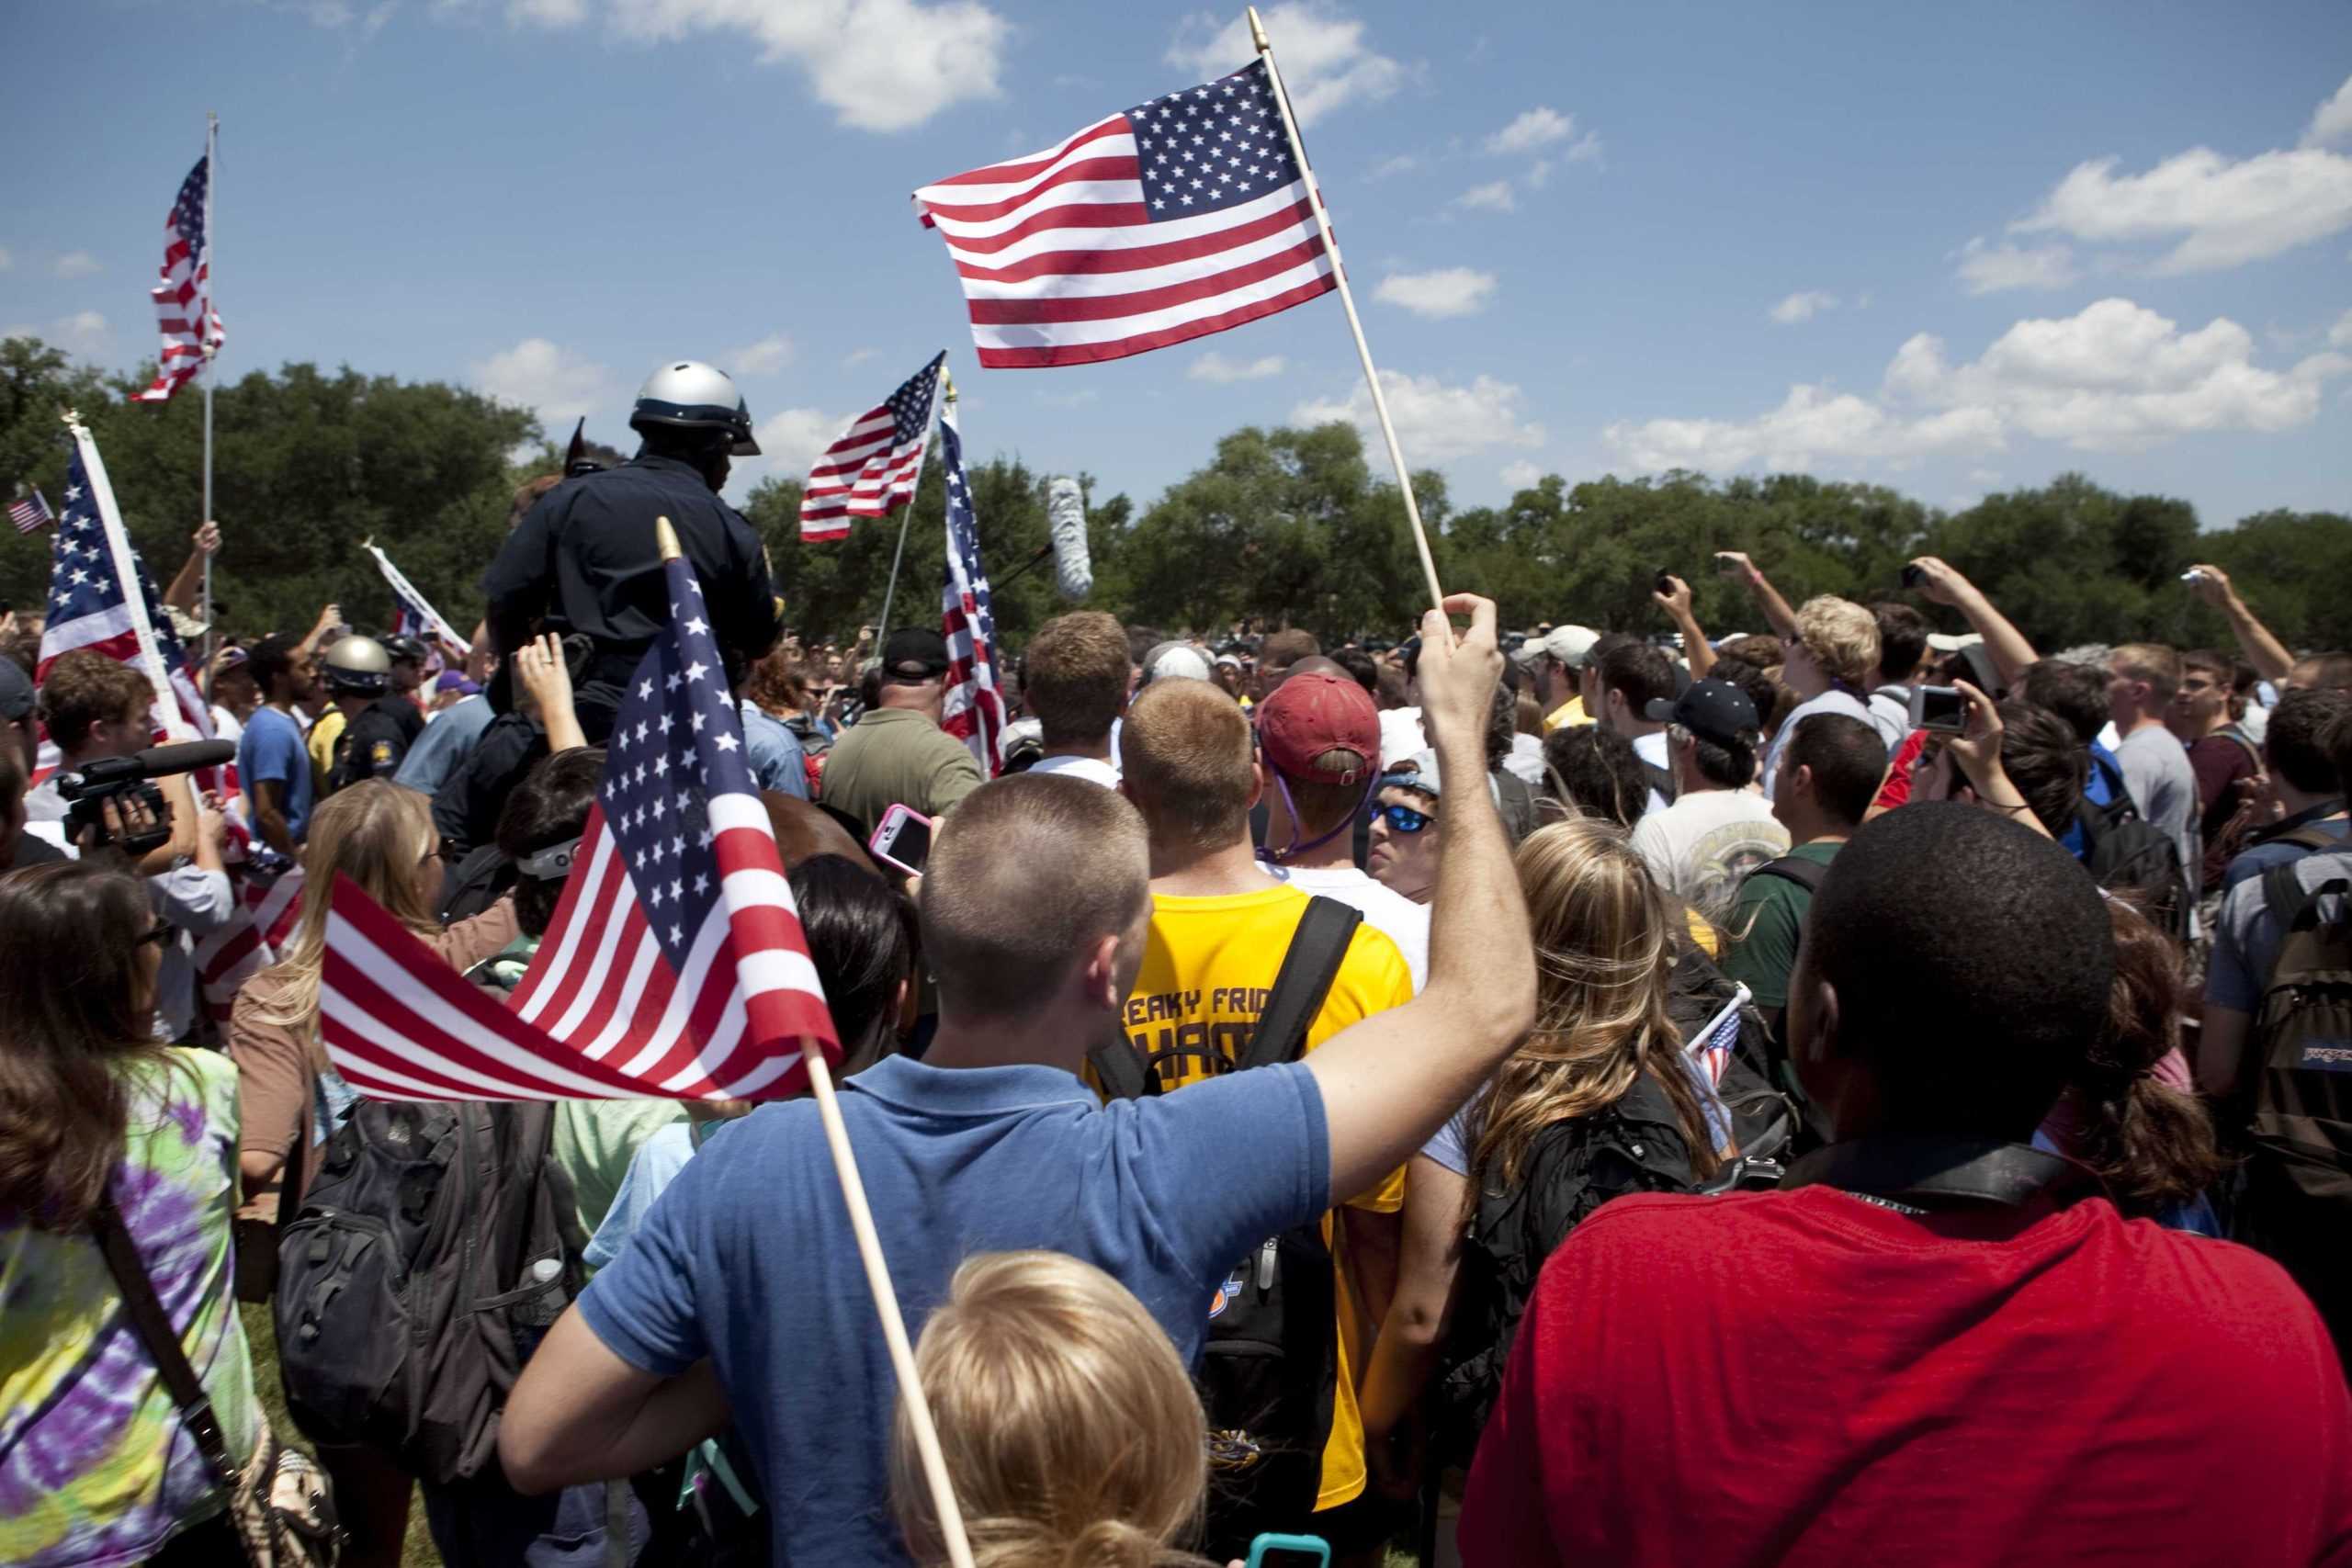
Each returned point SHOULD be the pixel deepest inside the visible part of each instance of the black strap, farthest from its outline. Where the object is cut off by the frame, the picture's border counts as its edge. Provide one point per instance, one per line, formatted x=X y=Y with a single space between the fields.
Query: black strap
x=1317 y=950
x=1806 y=874
x=1119 y=1069
x=2310 y=837
x=1932 y=1169
x=153 y=1326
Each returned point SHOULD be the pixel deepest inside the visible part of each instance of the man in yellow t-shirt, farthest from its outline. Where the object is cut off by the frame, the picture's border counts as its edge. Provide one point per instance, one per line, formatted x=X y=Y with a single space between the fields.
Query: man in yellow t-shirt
x=1554 y=660
x=1219 y=928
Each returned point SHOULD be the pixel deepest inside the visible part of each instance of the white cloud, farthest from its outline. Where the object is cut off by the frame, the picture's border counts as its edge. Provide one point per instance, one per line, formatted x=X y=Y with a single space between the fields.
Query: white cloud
x=555 y=383
x=83 y=332
x=2332 y=121
x=879 y=65
x=1988 y=269
x=1803 y=306
x=1447 y=291
x=2340 y=335
x=857 y=356
x=1523 y=474
x=1435 y=423
x=766 y=357
x=1495 y=195
x=1214 y=367
x=75 y=264
x=6 y=261
x=1323 y=59
x=1402 y=163
x=2114 y=376
x=1587 y=149
x=2223 y=212
x=789 y=441
x=1536 y=128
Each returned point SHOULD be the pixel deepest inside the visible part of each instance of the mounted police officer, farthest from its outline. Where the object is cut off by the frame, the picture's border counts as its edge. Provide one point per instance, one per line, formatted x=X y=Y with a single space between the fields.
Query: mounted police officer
x=583 y=563
x=380 y=724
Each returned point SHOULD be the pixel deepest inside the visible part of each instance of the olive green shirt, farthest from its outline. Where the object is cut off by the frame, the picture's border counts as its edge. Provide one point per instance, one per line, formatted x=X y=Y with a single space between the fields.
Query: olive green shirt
x=898 y=757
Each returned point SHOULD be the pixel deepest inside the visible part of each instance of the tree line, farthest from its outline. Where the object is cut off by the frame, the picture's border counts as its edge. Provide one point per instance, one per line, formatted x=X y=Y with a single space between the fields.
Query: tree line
x=1280 y=526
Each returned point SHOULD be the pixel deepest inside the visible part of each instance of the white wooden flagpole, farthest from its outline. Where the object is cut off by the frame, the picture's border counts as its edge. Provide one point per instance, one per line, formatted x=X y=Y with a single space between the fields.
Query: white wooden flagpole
x=1355 y=323
x=947 y=395
x=126 y=571
x=203 y=330
x=877 y=1273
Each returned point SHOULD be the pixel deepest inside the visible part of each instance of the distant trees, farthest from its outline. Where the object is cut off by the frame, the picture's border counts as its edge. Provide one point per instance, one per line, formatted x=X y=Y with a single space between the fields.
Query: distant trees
x=1281 y=526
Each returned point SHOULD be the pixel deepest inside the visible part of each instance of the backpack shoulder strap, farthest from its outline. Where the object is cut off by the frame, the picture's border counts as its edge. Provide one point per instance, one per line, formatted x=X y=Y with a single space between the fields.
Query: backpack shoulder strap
x=2312 y=837
x=1316 y=951
x=1806 y=874
x=1120 y=1071
x=2284 y=898
x=153 y=1326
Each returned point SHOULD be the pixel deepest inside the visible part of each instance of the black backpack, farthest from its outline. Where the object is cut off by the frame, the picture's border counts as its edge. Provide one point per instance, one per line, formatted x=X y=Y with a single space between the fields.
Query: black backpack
x=1269 y=1369
x=434 y=1249
x=2126 y=853
x=1570 y=1169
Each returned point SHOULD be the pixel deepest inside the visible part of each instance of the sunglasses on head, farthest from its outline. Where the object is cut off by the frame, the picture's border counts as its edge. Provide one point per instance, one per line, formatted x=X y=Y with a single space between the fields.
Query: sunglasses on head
x=1404 y=819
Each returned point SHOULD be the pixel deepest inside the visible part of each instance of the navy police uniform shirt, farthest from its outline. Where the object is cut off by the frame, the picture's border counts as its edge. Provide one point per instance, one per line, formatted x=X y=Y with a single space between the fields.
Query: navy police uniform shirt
x=585 y=560
x=374 y=743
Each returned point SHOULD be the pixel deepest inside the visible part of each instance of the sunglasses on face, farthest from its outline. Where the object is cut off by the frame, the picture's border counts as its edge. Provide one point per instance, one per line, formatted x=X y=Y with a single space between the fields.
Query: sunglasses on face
x=1404 y=819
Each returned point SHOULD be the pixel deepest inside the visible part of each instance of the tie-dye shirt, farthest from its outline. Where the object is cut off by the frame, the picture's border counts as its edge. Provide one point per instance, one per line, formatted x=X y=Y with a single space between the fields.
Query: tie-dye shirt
x=96 y=1465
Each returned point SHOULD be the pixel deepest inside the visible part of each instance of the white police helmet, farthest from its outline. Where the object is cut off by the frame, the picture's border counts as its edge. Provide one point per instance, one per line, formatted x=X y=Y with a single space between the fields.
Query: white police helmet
x=686 y=394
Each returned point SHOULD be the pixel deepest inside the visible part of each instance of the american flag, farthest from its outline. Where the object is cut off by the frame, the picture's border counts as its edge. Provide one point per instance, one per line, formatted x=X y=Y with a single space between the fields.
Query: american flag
x=871 y=469
x=31 y=511
x=268 y=908
x=184 y=311
x=87 y=608
x=1179 y=217
x=413 y=613
x=1711 y=1047
x=974 y=710
x=675 y=966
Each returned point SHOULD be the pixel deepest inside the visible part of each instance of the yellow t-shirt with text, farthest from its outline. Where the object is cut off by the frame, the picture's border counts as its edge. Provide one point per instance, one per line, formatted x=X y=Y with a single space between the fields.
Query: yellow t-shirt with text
x=1207 y=970
x=1567 y=716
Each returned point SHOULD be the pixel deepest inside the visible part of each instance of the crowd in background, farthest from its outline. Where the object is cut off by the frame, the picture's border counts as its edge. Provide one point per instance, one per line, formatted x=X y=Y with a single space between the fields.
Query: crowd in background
x=1847 y=1091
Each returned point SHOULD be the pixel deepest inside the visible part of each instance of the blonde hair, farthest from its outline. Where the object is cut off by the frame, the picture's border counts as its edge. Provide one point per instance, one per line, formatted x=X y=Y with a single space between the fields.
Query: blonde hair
x=1604 y=951
x=1072 y=1434
x=2154 y=663
x=1842 y=637
x=377 y=834
x=1185 y=755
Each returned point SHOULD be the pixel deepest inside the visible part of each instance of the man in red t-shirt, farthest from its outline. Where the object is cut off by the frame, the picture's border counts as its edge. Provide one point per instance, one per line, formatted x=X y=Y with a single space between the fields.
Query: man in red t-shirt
x=1880 y=1363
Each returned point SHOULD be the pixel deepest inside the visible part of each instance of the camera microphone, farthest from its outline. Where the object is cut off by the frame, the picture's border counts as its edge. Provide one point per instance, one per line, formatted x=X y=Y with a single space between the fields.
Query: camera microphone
x=160 y=762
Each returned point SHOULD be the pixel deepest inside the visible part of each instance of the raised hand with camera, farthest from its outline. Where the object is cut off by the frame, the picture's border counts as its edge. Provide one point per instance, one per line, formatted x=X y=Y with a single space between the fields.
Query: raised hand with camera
x=1673 y=595
x=1777 y=613
x=2264 y=652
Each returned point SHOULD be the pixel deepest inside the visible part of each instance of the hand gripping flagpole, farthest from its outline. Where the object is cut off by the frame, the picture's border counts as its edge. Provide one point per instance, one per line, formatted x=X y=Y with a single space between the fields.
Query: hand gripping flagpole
x=877 y=1273
x=1355 y=323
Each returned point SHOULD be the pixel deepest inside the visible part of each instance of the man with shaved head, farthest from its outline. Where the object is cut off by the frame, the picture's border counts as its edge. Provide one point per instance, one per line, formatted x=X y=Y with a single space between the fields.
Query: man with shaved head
x=742 y=1293
x=1220 y=927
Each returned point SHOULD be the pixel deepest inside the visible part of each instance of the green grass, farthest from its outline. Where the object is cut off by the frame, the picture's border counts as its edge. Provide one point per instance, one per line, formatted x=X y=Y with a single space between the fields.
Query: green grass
x=417 y=1551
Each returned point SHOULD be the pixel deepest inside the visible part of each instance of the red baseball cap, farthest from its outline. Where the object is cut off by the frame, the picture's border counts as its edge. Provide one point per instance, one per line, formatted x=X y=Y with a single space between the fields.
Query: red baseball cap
x=1308 y=717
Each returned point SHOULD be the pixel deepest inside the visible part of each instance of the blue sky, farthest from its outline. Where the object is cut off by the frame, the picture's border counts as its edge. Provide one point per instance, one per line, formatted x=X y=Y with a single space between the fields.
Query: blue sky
x=1955 y=250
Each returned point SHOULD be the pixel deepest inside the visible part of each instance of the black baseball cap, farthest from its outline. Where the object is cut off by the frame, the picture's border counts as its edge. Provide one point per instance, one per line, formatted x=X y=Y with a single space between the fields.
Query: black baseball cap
x=913 y=653
x=1711 y=710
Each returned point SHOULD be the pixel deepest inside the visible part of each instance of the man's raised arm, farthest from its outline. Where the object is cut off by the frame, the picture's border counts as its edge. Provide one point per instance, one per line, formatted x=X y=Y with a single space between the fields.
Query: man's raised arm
x=1390 y=1081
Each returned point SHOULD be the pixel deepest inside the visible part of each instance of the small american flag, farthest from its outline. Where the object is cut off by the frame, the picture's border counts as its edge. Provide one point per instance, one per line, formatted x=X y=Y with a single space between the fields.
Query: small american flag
x=974 y=710
x=268 y=908
x=676 y=967
x=28 y=513
x=1177 y=219
x=871 y=469
x=1712 y=1047
x=89 y=558
x=183 y=299
x=413 y=613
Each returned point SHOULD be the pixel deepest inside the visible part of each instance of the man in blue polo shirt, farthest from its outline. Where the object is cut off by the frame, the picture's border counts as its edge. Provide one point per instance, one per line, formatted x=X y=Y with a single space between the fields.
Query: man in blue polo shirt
x=742 y=1293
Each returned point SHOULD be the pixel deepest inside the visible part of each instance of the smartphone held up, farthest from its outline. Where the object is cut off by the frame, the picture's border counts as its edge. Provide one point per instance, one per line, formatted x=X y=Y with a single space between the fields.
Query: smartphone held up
x=902 y=840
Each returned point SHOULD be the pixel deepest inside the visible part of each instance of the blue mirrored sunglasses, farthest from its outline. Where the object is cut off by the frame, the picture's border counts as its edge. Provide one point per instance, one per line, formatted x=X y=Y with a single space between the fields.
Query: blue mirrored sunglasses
x=1404 y=819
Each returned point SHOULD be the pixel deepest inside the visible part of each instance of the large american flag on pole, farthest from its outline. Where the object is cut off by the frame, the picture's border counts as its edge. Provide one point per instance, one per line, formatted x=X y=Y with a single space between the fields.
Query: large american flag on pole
x=183 y=299
x=675 y=966
x=101 y=598
x=872 y=468
x=973 y=709
x=1179 y=218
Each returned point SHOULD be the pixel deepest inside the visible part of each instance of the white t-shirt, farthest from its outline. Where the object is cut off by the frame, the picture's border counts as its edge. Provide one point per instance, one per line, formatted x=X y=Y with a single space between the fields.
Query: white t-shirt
x=1525 y=761
x=1652 y=749
x=225 y=725
x=1401 y=735
x=1406 y=923
x=1087 y=768
x=1703 y=845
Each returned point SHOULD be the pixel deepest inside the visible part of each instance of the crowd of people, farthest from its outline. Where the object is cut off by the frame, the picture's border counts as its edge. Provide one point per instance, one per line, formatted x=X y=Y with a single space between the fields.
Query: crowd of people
x=1845 y=1092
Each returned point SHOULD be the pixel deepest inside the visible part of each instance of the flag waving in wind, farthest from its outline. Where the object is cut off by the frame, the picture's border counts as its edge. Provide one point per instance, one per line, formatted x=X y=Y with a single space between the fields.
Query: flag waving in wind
x=871 y=469
x=183 y=298
x=413 y=613
x=973 y=710
x=1175 y=219
x=676 y=967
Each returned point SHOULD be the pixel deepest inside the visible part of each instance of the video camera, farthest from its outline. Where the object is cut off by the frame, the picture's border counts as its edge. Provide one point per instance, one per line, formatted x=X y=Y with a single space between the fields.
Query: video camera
x=88 y=789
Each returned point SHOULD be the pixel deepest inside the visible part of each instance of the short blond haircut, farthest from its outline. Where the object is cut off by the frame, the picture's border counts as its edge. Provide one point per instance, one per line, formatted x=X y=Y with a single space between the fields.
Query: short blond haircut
x=1075 y=676
x=2151 y=661
x=1842 y=637
x=1185 y=754
x=1070 y=1430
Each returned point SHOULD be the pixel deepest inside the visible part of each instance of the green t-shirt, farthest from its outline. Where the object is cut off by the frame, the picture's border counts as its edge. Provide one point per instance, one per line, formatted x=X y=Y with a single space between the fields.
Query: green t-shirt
x=1764 y=923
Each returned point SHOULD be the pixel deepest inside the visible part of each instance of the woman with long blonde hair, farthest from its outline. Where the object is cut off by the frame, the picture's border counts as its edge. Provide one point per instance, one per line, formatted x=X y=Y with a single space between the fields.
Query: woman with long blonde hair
x=289 y=1097
x=1072 y=1434
x=1599 y=1099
